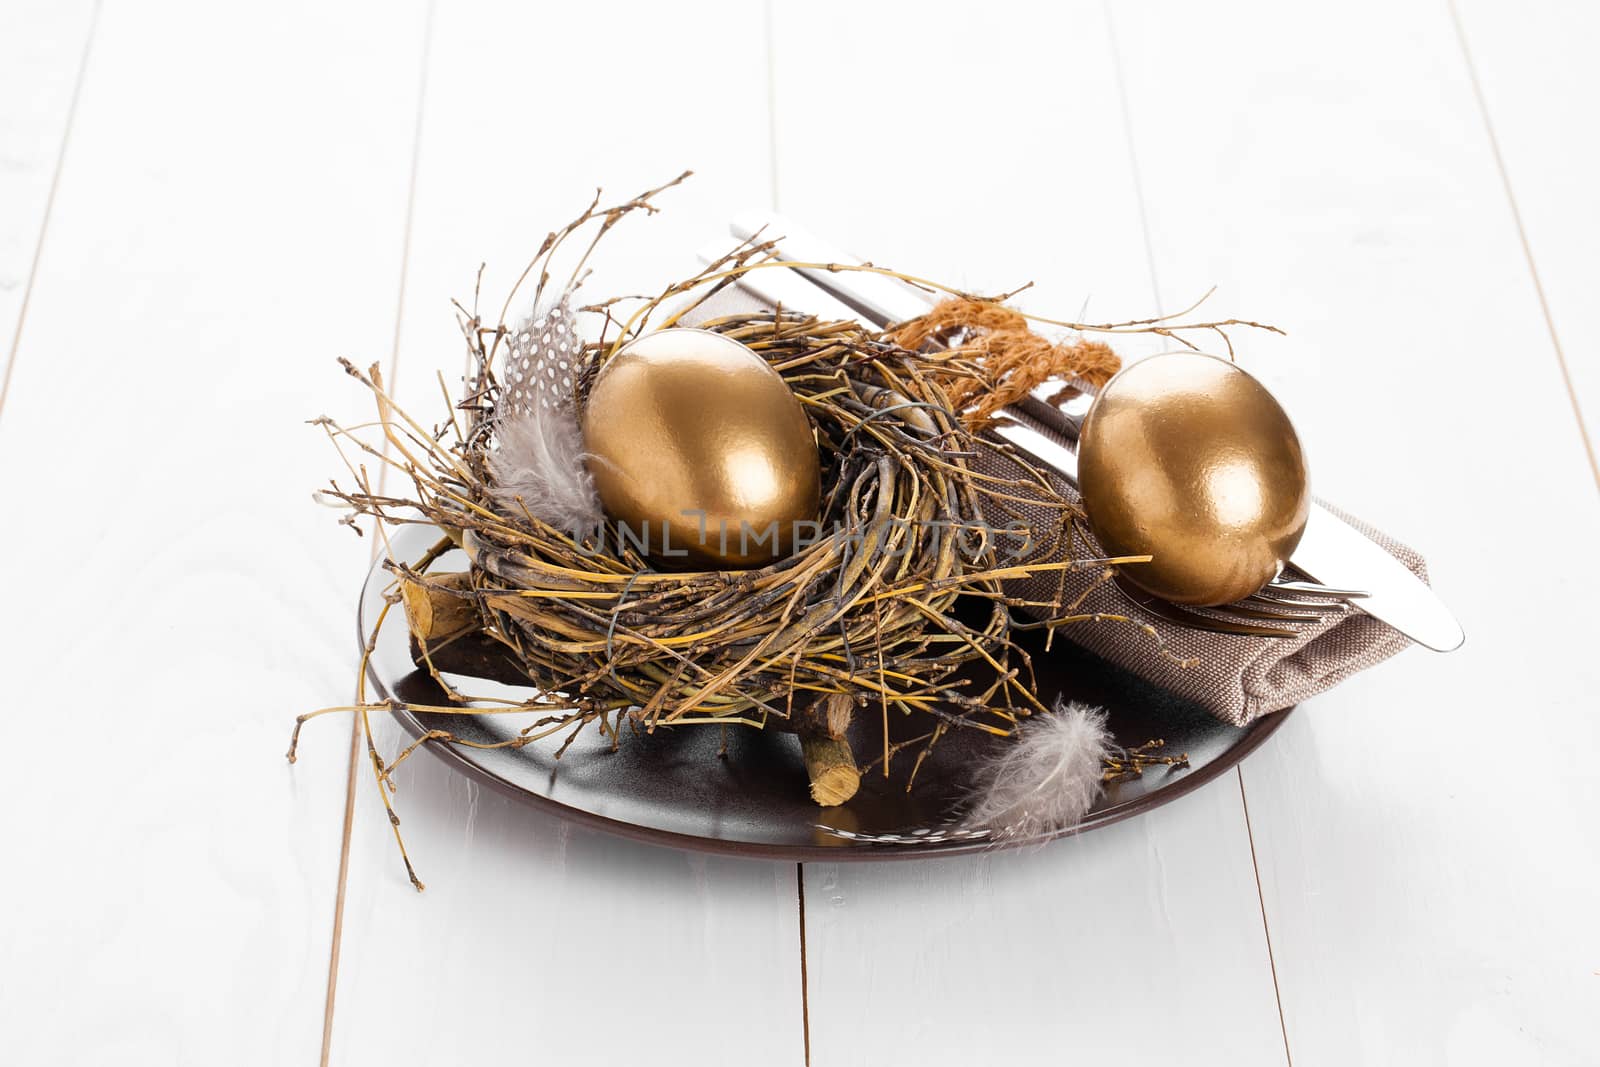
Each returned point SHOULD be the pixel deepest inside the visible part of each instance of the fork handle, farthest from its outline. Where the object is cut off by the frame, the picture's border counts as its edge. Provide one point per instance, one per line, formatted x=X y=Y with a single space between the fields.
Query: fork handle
x=1065 y=419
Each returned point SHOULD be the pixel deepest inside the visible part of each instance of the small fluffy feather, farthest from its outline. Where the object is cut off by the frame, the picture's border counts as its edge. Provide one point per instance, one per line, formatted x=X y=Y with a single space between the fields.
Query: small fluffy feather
x=1046 y=779
x=538 y=465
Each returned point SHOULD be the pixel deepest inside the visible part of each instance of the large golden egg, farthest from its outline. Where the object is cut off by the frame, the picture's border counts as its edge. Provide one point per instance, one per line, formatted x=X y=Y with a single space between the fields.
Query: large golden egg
x=1190 y=459
x=701 y=452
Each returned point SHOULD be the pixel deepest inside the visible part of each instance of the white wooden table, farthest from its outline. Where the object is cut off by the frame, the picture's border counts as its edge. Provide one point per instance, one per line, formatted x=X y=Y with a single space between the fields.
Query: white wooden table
x=202 y=205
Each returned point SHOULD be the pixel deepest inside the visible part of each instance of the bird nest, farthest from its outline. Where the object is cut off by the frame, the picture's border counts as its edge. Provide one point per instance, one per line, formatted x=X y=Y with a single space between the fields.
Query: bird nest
x=861 y=621
x=863 y=612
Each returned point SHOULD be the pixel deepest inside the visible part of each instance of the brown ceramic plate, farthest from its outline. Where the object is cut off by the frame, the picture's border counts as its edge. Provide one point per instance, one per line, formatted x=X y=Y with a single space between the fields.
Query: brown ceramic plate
x=671 y=788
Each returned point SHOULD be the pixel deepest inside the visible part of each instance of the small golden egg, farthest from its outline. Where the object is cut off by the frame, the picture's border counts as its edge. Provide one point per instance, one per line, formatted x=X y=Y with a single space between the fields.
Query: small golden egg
x=1188 y=458
x=701 y=452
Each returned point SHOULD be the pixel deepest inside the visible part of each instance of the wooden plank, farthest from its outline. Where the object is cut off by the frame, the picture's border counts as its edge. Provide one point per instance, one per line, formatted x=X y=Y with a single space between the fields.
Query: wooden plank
x=1428 y=834
x=998 y=155
x=42 y=47
x=228 y=220
x=1134 y=941
x=1538 y=86
x=533 y=933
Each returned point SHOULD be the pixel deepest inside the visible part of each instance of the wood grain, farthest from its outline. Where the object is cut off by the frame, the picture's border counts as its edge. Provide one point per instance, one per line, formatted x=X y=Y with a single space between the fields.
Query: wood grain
x=534 y=935
x=227 y=222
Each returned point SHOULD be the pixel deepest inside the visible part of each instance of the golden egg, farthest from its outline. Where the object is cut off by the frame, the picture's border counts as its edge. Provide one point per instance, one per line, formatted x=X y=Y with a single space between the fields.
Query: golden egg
x=701 y=452
x=1188 y=458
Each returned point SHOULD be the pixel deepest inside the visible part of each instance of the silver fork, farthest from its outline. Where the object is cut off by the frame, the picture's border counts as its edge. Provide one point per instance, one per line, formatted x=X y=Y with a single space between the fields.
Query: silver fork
x=1277 y=610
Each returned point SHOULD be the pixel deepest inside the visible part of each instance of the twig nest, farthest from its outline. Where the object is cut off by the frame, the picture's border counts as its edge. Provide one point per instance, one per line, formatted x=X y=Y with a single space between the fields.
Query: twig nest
x=865 y=609
x=701 y=453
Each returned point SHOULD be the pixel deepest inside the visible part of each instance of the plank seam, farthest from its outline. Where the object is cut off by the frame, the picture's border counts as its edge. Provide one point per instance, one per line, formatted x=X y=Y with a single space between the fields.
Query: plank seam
x=49 y=204
x=805 y=1000
x=772 y=104
x=1266 y=928
x=1133 y=155
x=335 y=942
x=1522 y=236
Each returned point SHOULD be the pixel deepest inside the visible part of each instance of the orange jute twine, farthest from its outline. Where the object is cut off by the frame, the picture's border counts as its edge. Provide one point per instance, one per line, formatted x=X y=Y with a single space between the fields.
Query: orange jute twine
x=1011 y=360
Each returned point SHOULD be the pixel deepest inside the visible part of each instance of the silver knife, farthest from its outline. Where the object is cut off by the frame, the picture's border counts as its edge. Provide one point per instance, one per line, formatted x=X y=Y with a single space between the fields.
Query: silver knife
x=1331 y=551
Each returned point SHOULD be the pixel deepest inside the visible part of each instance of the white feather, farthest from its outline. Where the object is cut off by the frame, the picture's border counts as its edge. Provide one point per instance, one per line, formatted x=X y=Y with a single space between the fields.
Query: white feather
x=538 y=465
x=1045 y=780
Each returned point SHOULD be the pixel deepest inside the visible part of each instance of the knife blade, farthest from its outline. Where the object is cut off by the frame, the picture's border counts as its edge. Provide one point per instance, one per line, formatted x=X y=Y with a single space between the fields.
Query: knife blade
x=877 y=298
x=1331 y=551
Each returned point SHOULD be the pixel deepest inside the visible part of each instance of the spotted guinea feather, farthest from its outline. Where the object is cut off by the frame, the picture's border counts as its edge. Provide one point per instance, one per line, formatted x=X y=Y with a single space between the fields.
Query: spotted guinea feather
x=537 y=464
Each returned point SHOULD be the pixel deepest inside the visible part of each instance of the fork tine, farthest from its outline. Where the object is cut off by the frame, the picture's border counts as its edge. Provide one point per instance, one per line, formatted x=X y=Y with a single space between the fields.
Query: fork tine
x=1285 y=612
x=1316 y=607
x=1297 y=588
x=1193 y=620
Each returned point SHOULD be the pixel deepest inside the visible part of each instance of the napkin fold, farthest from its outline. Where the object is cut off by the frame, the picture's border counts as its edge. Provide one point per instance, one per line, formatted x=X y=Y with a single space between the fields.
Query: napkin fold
x=1238 y=679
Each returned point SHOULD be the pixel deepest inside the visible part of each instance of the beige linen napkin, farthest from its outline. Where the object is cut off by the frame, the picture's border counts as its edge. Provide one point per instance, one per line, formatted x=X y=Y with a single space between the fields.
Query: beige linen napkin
x=1237 y=679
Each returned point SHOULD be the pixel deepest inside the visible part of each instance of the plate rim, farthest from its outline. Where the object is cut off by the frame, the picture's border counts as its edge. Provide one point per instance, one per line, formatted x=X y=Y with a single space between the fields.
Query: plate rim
x=846 y=850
